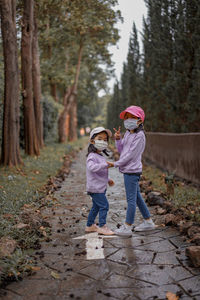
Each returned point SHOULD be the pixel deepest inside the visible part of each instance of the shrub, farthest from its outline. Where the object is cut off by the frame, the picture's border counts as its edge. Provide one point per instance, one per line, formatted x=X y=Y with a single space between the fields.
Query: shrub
x=51 y=111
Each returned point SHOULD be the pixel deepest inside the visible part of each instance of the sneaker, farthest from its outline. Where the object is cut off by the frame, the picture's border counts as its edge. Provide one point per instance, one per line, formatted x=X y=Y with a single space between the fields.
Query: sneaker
x=124 y=230
x=105 y=230
x=92 y=228
x=146 y=225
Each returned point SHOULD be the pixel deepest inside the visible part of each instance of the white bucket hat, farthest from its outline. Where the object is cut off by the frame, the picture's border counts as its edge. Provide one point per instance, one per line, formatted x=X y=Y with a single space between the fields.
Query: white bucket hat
x=100 y=129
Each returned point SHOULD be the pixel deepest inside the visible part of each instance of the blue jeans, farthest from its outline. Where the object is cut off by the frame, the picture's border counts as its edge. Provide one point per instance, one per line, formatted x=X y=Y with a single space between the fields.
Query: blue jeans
x=134 y=198
x=101 y=206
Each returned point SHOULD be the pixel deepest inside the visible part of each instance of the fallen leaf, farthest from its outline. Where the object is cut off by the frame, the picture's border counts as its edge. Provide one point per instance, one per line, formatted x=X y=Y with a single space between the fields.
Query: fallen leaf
x=55 y=275
x=35 y=268
x=27 y=205
x=171 y=296
x=44 y=233
x=8 y=216
x=7 y=246
x=21 y=226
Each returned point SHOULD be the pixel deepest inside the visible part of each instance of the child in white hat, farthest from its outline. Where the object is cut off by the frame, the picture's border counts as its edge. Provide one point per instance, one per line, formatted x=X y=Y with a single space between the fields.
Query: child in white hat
x=97 y=180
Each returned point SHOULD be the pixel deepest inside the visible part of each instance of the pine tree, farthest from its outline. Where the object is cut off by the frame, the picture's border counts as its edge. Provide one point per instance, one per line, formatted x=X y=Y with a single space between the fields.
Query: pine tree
x=170 y=65
x=186 y=66
x=114 y=108
x=133 y=68
x=125 y=87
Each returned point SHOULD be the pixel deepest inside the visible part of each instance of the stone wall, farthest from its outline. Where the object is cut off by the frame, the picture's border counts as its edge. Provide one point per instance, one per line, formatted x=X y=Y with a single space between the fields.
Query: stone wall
x=176 y=153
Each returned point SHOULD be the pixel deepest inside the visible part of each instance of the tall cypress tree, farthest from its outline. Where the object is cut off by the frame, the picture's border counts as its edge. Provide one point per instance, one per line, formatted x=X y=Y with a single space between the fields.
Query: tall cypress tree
x=157 y=62
x=124 y=87
x=193 y=31
x=166 y=83
x=133 y=67
x=171 y=64
x=114 y=108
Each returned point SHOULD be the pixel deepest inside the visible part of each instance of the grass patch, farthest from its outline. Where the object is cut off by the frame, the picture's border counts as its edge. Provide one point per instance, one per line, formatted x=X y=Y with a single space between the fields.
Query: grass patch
x=185 y=196
x=25 y=186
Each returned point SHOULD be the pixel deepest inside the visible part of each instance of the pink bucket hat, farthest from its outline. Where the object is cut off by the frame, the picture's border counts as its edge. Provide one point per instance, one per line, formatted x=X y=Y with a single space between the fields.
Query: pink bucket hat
x=134 y=110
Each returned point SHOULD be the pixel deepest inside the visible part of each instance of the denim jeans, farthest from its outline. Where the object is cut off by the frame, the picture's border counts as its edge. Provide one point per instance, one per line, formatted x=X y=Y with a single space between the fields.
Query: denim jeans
x=101 y=206
x=134 y=198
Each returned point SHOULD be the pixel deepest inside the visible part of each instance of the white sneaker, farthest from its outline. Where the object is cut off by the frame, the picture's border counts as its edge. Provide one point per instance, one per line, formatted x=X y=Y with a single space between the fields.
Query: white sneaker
x=124 y=230
x=146 y=225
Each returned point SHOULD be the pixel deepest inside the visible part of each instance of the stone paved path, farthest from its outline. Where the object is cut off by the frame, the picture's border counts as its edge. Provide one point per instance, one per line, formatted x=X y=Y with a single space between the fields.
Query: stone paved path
x=146 y=266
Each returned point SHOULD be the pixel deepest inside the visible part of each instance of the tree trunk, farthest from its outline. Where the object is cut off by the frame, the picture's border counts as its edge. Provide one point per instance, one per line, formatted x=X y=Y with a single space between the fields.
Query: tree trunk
x=53 y=91
x=10 y=139
x=73 y=115
x=70 y=103
x=37 y=86
x=62 y=132
x=31 y=140
x=73 y=121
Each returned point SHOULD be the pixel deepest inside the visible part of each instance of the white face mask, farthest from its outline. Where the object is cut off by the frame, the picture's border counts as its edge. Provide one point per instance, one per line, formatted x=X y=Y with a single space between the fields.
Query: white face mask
x=130 y=124
x=100 y=145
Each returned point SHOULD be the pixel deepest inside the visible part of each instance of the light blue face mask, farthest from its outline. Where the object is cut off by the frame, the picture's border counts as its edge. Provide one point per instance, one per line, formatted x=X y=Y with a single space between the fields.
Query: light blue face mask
x=130 y=124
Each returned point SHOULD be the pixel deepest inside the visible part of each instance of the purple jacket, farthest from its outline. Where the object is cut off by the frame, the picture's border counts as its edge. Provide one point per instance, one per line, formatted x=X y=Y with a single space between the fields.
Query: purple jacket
x=130 y=148
x=97 y=173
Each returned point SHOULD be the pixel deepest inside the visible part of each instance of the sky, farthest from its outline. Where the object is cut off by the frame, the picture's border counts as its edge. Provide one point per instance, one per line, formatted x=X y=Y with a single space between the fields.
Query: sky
x=131 y=10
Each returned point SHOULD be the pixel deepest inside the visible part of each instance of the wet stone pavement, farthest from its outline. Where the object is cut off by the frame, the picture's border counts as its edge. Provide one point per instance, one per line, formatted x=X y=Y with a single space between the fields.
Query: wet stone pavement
x=78 y=266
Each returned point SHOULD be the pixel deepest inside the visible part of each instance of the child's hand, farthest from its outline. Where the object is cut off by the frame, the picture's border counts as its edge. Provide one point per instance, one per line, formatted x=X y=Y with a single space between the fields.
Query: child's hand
x=111 y=182
x=117 y=134
x=110 y=164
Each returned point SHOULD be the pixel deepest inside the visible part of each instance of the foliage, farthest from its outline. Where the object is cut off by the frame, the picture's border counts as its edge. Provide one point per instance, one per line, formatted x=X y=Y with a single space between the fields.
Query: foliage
x=101 y=115
x=115 y=106
x=51 y=111
x=63 y=27
x=185 y=196
x=15 y=267
x=92 y=80
x=164 y=78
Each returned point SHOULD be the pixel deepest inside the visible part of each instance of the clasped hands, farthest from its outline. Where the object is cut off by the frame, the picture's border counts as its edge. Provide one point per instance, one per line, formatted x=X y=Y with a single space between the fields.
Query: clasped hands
x=117 y=136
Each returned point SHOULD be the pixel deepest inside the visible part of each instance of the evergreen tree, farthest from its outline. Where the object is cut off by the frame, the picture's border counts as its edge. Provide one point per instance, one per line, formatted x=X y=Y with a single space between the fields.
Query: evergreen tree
x=165 y=78
x=170 y=39
x=133 y=68
x=125 y=87
x=114 y=108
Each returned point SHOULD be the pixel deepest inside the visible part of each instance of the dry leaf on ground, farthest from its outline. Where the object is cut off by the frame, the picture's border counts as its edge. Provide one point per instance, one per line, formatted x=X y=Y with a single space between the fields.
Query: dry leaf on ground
x=171 y=296
x=55 y=275
x=35 y=268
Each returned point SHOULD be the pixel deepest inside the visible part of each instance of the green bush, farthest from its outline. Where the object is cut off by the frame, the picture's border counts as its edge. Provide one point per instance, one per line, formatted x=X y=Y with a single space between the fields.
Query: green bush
x=51 y=111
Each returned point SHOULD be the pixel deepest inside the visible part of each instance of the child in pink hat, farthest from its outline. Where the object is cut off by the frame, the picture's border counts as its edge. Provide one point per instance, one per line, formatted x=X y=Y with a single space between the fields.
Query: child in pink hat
x=131 y=148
